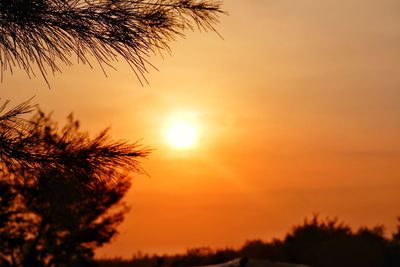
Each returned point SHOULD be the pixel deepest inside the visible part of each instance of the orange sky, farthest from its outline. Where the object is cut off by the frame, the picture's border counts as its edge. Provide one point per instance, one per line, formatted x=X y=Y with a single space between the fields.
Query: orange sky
x=299 y=108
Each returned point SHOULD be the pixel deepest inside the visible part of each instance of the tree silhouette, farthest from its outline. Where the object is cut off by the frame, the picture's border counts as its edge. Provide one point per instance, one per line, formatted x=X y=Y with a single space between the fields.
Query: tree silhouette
x=57 y=214
x=44 y=32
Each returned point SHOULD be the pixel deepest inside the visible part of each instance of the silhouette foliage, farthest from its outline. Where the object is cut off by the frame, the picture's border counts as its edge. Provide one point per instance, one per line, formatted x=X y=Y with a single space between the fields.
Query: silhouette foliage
x=45 y=32
x=315 y=242
x=37 y=143
x=65 y=200
x=396 y=235
x=330 y=243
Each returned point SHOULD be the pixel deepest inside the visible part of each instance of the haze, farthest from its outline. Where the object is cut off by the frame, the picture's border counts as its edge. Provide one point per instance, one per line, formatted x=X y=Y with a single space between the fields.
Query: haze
x=300 y=113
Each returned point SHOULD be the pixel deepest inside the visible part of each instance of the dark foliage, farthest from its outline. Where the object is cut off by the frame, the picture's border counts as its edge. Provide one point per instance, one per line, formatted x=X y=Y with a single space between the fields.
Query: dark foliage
x=329 y=243
x=44 y=32
x=38 y=144
x=17 y=147
x=202 y=256
x=317 y=243
x=396 y=235
x=62 y=197
x=258 y=249
x=193 y=257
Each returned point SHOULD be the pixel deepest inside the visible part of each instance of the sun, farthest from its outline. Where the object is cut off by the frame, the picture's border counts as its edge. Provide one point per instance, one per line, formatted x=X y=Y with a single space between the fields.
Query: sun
x=181 y=133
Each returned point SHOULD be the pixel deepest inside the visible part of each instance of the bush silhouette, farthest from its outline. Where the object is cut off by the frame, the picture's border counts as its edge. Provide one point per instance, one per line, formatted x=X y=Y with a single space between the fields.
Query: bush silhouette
x=329 y=243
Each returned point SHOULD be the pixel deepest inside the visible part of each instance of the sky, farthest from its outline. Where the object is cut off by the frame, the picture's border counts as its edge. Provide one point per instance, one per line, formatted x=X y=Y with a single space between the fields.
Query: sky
x=297 y=110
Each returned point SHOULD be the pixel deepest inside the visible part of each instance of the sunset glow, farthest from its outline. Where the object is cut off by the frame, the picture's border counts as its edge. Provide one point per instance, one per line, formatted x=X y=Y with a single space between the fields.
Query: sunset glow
x=181 y=134
x=181 y=130
x=295 y=111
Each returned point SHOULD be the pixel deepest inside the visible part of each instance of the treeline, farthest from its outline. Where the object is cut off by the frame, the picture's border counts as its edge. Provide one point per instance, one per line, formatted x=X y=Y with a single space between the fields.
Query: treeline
x=315 y=242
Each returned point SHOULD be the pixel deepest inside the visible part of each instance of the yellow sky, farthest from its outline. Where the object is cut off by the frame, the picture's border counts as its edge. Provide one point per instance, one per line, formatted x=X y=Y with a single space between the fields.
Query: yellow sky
x=299 y=108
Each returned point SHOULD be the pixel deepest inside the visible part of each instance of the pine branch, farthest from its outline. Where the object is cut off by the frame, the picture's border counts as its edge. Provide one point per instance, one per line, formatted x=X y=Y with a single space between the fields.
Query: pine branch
x=39 y=144
x=43 y=33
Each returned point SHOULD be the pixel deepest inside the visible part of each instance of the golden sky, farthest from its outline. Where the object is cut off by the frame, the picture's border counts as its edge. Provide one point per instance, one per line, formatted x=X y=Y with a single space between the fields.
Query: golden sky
x=298 y=111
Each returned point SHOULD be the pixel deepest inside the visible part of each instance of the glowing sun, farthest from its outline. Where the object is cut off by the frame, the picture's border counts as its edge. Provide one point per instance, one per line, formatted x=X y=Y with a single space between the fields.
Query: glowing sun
x=181 y=133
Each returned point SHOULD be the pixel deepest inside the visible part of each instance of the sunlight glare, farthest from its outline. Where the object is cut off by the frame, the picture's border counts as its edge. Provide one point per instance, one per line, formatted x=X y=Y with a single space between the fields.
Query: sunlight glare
x=181 y=134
